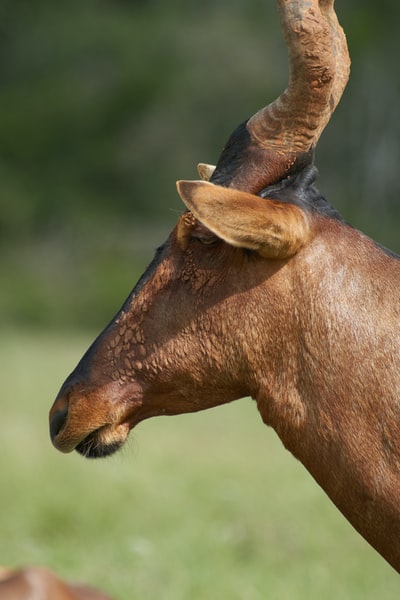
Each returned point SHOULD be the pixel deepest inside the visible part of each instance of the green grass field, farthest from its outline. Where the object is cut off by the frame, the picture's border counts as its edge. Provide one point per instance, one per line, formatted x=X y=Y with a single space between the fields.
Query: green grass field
x=205 y=506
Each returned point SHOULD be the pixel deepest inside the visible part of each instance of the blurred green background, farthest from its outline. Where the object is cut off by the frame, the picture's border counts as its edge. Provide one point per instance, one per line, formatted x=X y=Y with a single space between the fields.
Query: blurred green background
x=103 y=105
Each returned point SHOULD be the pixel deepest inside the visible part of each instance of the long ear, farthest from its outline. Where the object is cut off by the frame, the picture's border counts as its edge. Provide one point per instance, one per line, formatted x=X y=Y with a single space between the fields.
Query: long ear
x=274 y=229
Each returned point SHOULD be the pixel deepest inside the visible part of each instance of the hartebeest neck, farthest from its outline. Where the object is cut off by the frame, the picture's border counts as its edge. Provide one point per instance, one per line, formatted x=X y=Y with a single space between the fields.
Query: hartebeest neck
x=332 y=394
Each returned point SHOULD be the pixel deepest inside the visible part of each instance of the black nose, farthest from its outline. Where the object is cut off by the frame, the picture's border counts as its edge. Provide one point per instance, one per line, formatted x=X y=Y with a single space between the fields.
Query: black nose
x=59 y=411
x=57 y=421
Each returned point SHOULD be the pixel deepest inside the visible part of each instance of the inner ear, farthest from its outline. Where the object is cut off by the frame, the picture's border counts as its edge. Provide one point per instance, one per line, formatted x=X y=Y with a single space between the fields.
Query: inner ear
x=273 y=229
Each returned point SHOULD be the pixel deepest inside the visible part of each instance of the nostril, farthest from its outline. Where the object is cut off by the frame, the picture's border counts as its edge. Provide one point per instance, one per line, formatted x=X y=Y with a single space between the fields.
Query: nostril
x=57 y=422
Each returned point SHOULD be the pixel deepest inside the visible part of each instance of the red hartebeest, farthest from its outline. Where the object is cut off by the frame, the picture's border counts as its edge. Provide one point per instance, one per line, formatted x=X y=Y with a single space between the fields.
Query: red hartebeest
x=262 y=290
x=38 y=583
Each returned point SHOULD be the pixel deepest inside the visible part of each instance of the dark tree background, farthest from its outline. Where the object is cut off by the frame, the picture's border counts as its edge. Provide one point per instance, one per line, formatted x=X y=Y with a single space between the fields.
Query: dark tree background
x=105 y=103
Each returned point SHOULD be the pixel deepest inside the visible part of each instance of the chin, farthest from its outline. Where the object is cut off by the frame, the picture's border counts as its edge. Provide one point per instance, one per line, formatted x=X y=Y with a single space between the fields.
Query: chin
x=103 y=442
x=92 y=448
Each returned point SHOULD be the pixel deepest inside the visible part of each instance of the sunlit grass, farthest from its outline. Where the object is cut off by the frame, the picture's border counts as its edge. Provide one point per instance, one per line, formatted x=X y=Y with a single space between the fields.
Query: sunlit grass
x=202 y=506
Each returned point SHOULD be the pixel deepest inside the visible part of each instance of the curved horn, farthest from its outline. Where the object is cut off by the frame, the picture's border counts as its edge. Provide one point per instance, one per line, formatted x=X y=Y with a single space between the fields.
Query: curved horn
x=284 y=133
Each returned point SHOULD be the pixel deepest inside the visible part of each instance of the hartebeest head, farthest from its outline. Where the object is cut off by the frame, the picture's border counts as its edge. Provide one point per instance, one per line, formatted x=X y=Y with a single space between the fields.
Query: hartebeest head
x=184 y=339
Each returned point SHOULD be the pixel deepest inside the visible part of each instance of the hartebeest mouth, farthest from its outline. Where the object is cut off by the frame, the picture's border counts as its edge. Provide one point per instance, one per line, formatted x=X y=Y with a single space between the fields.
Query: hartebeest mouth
x=99 y=443
x=94 y=436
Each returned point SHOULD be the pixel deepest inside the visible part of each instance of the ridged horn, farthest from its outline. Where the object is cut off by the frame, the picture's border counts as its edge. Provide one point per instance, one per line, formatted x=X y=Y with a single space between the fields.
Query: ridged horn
x=284 y=134
x=205 y=171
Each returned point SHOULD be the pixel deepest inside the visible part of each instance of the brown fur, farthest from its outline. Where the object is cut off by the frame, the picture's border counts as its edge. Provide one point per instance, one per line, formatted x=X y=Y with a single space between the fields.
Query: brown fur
x=39 y=583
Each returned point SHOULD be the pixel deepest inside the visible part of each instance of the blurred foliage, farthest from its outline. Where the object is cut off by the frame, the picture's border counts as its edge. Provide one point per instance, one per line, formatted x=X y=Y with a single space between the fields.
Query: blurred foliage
x=105 y=103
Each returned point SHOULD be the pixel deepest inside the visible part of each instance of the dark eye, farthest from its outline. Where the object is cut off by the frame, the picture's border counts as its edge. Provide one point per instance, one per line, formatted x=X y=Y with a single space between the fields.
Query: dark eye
x=205 y=237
